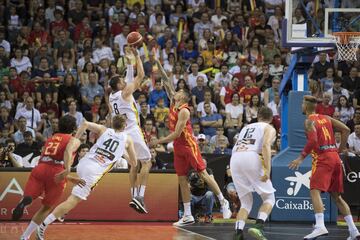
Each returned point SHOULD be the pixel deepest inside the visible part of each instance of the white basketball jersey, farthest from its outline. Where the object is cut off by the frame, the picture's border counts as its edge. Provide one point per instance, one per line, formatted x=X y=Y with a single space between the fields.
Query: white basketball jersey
x=128 y=109
x=251 y=138
x=108 y=148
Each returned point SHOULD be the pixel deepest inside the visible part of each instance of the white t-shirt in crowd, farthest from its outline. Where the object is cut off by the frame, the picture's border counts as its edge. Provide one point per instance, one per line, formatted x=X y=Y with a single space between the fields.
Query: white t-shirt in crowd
x=32 y=116
x=200 y=108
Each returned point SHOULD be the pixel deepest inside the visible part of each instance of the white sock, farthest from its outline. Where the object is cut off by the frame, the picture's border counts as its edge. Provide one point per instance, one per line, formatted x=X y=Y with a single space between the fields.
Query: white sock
x=134 y=192
x=187 y=209
x=350 y=222
x=142 y=190
x=221 y=198
x=263 y=216
x=48 y=220
x=319 y=217
x=240 y=224
x=29 y=230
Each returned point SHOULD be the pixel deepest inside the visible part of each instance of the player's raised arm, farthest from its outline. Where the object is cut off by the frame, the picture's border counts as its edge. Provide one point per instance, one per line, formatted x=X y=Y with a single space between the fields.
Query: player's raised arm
x=184 y=116
x=131 y=155
x=311 y=136
x=269 y=137
x=93 y=127
x=168 y=84
x=71 y=147
x=345 y=131
x=132 y=86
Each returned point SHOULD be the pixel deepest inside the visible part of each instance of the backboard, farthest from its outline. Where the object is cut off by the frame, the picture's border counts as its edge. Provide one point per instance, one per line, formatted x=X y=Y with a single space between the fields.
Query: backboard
x=320 y=19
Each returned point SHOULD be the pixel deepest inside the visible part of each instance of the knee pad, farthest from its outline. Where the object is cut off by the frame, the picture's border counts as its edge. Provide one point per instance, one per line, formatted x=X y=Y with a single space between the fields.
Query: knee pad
x=268 y=198
x=247 y=202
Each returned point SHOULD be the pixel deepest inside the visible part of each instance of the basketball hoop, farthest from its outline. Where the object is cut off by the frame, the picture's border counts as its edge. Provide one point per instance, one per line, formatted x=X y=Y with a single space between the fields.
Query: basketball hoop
x=347 y=44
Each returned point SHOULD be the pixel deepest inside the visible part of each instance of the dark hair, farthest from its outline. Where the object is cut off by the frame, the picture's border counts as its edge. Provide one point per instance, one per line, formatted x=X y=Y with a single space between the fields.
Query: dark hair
x=118 y=122
x=347 y=105
x=251 y=104
x=114 y=82
x=181 y=80
x=67 y=124
x=82 y=146
x=265 y=113
x=9 y=140
x=27 y=134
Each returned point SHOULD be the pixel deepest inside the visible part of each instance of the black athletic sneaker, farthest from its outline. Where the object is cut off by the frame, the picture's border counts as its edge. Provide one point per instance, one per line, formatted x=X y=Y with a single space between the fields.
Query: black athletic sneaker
x=257 y=231
x=19 y=210
x=134 y=206
x=239 y=235
x=139 y=201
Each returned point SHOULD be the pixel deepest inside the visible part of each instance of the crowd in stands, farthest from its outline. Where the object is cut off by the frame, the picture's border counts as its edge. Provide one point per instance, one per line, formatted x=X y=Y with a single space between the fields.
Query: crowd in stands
x=56 y=58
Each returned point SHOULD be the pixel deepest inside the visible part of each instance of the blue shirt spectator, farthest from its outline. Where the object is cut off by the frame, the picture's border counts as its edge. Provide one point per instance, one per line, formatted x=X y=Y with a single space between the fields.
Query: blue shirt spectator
x=211 y=121
x=156 y=94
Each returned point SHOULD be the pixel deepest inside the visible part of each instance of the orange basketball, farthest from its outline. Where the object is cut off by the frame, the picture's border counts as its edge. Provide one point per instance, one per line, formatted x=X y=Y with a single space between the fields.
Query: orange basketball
x=134 y=39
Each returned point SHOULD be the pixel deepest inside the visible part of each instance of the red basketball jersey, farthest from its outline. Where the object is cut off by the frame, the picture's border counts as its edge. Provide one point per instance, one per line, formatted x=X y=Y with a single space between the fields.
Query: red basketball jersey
x=54 y=148
x=186 y=138
x=325 y=134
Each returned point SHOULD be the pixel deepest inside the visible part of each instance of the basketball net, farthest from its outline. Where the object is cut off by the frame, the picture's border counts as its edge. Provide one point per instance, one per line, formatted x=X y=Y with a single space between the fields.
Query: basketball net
x=347 y=44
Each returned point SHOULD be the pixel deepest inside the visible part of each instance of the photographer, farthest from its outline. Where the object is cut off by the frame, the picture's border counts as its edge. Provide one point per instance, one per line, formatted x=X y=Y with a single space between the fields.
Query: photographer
x=7 y=156
x=201 y=196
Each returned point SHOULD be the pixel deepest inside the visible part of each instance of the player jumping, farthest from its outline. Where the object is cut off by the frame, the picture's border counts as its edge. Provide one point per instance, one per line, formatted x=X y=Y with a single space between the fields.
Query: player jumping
x=327 y=175
x=122 y=102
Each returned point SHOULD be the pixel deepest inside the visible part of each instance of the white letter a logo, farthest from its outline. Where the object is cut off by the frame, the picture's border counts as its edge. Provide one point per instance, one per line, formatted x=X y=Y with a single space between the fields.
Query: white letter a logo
x=9 y=189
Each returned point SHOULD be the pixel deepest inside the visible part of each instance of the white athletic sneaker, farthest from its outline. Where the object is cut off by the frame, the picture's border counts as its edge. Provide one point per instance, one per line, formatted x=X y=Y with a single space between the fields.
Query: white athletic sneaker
x=185 y=220
x=317 y=232
x=225 y=209
x=354 y=235
x=40 y=233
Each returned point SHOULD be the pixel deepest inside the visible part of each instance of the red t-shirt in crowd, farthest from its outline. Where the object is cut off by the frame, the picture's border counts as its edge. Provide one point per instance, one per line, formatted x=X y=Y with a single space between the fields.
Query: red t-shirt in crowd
x=325 y=110
x=247 y=93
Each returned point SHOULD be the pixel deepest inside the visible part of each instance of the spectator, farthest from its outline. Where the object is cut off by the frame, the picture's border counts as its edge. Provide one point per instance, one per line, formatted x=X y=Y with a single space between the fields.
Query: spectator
x=222 y=78
x=201 y=195
x=46 y=87
x=242 y=73
x=222 y=148
x=207 y=99
x=345 y=110
x=192 y=78
x=6 y=121
x=227 y=92
x=38 y=37
x=72 y=111
x=24 y=86
x=324 y=107
x=31 y=114
x=29 y=148
x=77 y=14
x=354 y=121
x=231 y=192
x=158 y=147
x=215 y=140
x=270 y=51
x=252 y=109
x=276 y=69
x=102 y=52
x=80 y=153
x=270 y=92
x=7 y=156
x=62 y=44
x=354 y=141
x=58 y=24
x=327 y=82
x=68 y=89
x=320 y=67
x=202 y=25
x=4 y=102
x=211 y=121
x=160 y=114
x=42 y=53
x=5 y=44
x=203 y=144
x=352 y=82
x=156 y=162
x=234 y=115
x=181 y=84
x=248 y=91
x=336 y=91
x=88 y=92
x=84 y=75
x=52 y=129
x=189 y=54
x=198 y=91
x=156 y=94
x=43 y=68
x=149 y=130
x=49 y=105
x=20 y=62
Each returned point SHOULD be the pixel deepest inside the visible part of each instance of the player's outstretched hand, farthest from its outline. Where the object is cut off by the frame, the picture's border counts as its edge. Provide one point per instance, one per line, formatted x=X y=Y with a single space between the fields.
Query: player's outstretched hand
x=61 y=176
x=265 y=177
x=76 y=181
x=294 y=165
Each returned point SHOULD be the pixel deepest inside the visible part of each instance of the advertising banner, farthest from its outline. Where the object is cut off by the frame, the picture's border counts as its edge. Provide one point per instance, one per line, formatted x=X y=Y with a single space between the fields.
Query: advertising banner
x=108 y=201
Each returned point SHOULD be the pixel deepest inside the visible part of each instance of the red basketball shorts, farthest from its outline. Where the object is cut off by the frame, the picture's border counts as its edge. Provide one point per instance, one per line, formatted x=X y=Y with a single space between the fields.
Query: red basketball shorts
x=327 y=173
x=42 y=180
x=185 y=158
